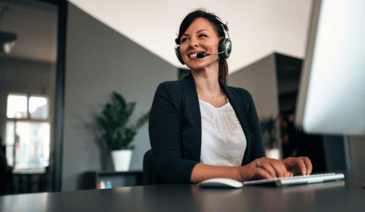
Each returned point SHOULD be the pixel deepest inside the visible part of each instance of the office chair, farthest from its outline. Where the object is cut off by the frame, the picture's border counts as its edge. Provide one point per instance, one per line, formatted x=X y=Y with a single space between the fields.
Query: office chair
x=6 y=174
x=150 y=175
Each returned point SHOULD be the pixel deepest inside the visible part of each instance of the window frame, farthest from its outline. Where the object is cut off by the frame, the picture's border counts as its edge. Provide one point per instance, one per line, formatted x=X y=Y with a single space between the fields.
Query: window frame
x=28 y=120
x=59 y=107
x=28 y=95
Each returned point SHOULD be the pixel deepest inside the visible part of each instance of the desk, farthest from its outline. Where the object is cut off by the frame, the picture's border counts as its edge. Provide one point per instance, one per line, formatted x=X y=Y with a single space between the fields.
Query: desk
x=346 y=195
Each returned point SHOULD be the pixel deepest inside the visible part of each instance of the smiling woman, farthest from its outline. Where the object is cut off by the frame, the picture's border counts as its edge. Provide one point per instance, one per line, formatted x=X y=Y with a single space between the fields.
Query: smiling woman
x=207 y=30
x=200 y=37
x=201 y=128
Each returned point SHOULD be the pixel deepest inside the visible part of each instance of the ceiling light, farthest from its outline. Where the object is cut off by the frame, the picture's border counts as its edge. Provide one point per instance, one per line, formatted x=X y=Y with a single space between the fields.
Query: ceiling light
x=7 y=41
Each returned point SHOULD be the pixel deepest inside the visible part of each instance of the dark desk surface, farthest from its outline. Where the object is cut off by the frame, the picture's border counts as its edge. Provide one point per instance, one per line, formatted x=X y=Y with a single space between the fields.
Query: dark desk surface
x=346 y=195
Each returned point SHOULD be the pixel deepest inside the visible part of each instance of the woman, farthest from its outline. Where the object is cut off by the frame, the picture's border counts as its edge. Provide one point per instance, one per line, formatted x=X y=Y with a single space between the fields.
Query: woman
x=199 y=127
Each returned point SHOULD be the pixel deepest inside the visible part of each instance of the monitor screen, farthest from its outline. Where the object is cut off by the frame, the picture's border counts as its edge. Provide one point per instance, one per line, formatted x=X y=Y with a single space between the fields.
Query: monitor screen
x=331 y=97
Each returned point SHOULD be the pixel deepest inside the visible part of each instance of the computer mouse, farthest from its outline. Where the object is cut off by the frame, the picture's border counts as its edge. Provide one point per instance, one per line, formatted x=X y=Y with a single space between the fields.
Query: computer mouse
x=221 y=183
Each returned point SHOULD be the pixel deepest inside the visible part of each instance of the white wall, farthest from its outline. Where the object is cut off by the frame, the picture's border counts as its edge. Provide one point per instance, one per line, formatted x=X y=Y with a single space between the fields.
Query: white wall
x=99 y=61
x=260 y=80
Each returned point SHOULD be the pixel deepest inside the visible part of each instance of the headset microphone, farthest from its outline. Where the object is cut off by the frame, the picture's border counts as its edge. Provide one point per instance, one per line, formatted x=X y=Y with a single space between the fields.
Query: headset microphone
x=202 y=54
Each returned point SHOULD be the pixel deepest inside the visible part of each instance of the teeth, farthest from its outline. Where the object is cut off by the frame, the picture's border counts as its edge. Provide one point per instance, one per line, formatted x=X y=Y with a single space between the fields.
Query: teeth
x=193 y=55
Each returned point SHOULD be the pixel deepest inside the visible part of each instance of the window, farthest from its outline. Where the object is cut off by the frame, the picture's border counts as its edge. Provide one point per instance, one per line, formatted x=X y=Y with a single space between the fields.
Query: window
x=27 y=132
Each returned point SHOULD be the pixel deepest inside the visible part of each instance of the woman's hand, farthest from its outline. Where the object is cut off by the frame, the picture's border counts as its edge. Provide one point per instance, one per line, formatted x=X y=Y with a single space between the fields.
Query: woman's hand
x=298 y=164
x=268 y=168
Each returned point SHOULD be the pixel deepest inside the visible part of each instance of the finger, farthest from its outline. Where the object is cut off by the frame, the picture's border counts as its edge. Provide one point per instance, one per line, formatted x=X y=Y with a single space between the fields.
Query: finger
x=262 y=174
x=289 y=174
x=308 y=164
x=269 y=169
x=279 y=167
x=288 y=163
x=301 y=166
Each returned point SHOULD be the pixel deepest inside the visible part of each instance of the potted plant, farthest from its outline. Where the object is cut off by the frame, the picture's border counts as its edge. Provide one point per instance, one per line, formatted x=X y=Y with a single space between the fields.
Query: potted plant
x=117 y=135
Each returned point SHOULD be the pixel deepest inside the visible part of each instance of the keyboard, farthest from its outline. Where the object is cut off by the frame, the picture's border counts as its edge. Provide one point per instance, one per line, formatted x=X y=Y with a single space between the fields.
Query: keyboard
x=297 y=180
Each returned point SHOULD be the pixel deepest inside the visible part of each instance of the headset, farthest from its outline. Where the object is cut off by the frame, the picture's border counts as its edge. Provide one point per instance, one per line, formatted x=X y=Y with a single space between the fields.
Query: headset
x=224 y=46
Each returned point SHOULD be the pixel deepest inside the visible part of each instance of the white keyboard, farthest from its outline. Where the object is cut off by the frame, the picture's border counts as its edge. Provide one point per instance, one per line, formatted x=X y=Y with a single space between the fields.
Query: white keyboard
x=297 y=180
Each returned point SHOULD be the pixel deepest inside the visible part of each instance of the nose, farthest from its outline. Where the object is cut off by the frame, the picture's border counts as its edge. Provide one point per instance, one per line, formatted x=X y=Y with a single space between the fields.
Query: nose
x=193 y=42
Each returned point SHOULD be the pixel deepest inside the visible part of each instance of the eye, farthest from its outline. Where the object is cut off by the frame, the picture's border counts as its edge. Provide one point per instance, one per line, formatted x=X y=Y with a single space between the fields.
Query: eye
x=202 y=35
x=183 y=40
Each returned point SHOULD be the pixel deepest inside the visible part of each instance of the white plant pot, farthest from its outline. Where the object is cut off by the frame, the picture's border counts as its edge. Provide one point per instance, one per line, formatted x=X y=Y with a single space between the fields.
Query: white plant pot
x=121 y=159
x=273 y=153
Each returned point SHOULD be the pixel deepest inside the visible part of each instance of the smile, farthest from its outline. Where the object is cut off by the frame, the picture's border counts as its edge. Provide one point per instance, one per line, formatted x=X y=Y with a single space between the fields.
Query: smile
x=193 y=55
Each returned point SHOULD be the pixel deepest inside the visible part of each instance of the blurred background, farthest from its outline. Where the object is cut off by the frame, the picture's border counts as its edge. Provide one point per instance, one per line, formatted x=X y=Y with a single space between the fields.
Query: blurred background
x=61 y=60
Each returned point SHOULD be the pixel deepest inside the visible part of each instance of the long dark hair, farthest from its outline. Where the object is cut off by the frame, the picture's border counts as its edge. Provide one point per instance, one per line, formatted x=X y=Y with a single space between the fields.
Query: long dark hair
x=217 y=24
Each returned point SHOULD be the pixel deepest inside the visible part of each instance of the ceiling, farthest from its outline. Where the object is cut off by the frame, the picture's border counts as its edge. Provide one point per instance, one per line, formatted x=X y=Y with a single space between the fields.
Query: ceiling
x=256 y=27
x=35 y=24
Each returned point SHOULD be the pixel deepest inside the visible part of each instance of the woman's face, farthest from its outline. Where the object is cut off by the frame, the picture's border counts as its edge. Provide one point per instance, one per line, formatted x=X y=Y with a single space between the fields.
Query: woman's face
x=199 y=37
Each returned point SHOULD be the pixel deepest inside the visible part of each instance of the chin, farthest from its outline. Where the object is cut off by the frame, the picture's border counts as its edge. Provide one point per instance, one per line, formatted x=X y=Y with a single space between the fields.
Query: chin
x=200 y=66
x=195 y=67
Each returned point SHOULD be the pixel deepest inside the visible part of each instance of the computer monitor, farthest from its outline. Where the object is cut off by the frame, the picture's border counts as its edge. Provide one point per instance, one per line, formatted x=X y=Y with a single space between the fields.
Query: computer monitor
x=331 y=96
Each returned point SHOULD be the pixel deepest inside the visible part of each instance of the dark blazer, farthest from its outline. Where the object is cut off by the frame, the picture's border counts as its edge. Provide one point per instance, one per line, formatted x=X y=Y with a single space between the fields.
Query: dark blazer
x=175 y=127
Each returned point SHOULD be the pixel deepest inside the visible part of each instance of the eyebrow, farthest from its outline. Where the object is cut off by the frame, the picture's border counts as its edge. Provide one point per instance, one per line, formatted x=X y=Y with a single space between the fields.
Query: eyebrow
x=197 y=32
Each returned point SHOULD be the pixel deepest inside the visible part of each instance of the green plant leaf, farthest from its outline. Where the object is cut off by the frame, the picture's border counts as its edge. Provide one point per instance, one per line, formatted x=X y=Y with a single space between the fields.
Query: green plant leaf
x=114 y=120
x=143 y=119
x=103 y=123
x=129 y=110
x=120 y=99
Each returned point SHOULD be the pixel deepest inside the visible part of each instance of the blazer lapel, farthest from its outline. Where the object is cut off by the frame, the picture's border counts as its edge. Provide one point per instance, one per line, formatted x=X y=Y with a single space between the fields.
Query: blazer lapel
x=191 y=135
x=192 y=129
x=241 y=111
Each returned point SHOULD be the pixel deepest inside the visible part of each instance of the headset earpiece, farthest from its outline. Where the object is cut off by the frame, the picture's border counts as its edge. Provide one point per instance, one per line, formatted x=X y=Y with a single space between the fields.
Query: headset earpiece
x=225 y=46
x=177 y=52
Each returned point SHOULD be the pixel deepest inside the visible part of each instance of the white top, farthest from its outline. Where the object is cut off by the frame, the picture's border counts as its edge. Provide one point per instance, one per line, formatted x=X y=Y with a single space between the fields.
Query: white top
x=223 y=140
